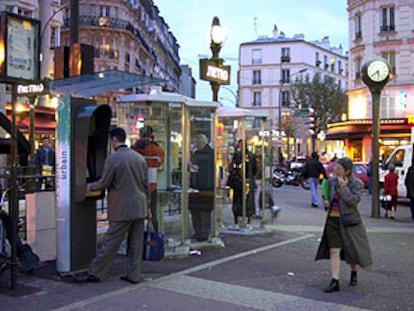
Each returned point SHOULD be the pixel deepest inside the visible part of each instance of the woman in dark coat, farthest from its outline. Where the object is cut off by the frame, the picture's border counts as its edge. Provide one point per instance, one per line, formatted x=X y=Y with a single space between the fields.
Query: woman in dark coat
x=342 y=240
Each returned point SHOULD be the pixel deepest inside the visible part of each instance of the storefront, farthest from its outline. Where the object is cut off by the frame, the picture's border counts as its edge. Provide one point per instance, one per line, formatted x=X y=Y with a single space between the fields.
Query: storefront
x=357 y=136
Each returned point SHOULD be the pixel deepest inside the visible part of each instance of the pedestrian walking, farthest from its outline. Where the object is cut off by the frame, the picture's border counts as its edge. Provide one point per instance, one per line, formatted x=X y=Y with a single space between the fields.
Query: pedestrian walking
x=390 y=188
x=125 y=177
x=314 y=171
x=409 y=184
x=344 y=235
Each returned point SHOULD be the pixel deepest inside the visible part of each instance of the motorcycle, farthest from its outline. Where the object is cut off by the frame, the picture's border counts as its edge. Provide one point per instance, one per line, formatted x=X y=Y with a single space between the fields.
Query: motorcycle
x=283 y=176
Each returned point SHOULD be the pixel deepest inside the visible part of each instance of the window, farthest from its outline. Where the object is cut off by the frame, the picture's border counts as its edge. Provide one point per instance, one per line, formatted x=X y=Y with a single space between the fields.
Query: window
x=388 y=107
x=390 y=57
x=285 y=99
x=256 y=77
x=127 y=57
x=387 y=19
x=285 y=55
x=325 y=62
x=317 y=60
x=257 y=99
x=340 y=70
x=54 y=37
x=285 y=76
x=358 y=26
x=256 y=57
x=105 y=11
x=357 y=68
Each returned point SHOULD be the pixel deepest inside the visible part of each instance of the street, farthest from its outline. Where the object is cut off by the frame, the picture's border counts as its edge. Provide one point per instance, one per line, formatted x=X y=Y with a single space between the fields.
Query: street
x=274 y=271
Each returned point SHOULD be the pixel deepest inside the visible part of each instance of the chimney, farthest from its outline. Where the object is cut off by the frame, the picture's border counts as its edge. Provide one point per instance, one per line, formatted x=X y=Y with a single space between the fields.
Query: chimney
x=275 y=32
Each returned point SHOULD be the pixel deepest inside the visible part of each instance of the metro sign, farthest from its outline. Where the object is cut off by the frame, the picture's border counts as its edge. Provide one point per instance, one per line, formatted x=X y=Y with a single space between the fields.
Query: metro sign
x=211 y=71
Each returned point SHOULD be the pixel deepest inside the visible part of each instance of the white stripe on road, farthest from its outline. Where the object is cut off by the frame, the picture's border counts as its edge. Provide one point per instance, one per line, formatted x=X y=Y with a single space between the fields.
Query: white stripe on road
x=244 y=296
x=314 y=228
x=89 y=301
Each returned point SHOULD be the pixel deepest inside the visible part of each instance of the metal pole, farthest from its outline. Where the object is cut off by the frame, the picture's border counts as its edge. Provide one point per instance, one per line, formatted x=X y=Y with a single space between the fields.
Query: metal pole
x=74 y=22
x=13 y=202
x=376 y=94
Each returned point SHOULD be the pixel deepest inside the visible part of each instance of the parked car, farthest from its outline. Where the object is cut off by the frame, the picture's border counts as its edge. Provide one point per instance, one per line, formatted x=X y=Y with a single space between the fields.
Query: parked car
x=359 y=170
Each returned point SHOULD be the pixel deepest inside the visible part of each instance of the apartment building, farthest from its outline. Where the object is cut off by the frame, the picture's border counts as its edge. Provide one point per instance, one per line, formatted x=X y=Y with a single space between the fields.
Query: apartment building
x=379 y=28
x=129 y=36
x=269 y=65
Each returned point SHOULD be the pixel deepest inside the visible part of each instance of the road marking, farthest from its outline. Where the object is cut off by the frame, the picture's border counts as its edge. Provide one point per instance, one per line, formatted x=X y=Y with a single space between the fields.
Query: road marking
x=85 y=302
x=246 y=296
x=315 y=228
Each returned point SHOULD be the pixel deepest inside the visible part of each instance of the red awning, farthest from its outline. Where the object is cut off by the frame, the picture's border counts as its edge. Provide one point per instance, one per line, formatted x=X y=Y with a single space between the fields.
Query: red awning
x=42 y=125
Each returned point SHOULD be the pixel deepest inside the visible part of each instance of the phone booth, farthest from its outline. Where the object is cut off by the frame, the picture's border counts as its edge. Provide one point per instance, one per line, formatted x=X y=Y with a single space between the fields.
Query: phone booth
x=186 y=178
x=244 y=154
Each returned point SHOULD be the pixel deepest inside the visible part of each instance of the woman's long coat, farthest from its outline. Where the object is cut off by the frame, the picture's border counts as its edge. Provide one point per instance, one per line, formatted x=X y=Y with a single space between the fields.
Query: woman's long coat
x=355 y=246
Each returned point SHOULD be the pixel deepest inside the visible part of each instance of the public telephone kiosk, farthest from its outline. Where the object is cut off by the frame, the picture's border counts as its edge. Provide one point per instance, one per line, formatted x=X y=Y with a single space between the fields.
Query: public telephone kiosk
x=186 y=180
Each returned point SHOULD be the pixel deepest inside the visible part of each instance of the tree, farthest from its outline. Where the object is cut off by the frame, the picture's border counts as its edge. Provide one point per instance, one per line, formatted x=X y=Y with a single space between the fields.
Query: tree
x=326 y=97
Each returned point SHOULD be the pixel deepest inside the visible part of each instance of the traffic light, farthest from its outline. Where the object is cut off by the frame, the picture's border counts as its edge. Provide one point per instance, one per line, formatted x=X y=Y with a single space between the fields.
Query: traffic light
x=311 y=123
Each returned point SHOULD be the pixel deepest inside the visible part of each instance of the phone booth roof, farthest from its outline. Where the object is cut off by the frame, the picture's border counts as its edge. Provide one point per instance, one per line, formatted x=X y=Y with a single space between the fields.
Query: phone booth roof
x=166 y=98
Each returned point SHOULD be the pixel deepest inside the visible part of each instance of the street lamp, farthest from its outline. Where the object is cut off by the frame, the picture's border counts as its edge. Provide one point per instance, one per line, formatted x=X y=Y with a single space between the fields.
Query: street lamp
x=217 y=37
x=236 y=97
x=280 y=106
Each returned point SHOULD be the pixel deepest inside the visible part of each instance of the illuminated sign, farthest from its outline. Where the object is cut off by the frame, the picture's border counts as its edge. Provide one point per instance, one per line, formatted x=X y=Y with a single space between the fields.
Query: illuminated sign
x=30 y=89
x=211 y=71
x=410 y=119
x=19 y=48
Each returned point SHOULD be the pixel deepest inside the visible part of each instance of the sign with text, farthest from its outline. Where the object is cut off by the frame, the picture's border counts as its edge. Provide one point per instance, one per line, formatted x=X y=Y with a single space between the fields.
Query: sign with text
x=19 y=48
x=211 y=71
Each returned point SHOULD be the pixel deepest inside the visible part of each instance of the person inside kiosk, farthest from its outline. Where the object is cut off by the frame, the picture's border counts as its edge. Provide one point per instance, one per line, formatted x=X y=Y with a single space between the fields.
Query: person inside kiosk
x=201 y=202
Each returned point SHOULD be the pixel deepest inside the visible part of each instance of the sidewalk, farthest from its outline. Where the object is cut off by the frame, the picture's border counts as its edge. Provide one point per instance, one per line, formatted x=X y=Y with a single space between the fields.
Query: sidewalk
x=266 y=271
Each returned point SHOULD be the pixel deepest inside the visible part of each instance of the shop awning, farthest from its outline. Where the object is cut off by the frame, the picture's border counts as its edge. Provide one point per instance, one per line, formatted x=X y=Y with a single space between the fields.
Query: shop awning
x=100 y=82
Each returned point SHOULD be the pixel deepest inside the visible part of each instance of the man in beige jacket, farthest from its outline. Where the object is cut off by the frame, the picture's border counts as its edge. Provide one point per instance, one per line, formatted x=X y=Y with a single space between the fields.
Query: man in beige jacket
x=125 y=177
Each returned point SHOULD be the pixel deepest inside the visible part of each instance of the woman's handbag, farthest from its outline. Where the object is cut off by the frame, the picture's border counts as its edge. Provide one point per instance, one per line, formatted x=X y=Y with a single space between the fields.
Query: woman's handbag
x=386 y=201
x=350 y=219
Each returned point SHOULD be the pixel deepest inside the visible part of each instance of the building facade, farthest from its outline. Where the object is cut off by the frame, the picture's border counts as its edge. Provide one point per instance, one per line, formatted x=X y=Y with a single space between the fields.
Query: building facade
x=128 y=36
x=269 y=65
x=379 y=28
x=187 y=82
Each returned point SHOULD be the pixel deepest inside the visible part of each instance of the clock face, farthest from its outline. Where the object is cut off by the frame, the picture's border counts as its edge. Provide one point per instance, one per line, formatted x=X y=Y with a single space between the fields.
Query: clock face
x=378 y=71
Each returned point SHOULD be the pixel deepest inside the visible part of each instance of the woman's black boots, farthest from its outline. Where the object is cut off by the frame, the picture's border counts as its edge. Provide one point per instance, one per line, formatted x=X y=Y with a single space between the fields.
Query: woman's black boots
x=332 y=287
x=354 y=278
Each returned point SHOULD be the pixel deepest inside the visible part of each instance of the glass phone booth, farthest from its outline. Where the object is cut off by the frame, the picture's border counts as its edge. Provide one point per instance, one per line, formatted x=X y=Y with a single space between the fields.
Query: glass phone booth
x=186 y=180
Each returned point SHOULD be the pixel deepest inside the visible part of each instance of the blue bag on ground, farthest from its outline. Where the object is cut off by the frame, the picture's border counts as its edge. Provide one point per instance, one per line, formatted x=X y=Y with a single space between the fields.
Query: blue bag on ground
x=153 y=246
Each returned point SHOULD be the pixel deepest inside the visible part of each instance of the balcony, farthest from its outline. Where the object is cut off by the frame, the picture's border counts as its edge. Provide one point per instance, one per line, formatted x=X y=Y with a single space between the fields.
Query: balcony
x=318 y=63
x=110 y=22
x=285 y=59
x=387 y=28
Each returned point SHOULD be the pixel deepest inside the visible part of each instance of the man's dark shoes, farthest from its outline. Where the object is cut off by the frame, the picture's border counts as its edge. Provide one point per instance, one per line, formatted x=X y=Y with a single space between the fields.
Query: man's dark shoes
x=314 y=205
x=332 y=287
x=126 y=279
x=354 y=278
x=86 y=278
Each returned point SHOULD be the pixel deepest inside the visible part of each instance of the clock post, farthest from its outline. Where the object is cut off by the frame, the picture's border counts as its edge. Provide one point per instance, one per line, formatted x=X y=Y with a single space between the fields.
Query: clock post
x=376 y=73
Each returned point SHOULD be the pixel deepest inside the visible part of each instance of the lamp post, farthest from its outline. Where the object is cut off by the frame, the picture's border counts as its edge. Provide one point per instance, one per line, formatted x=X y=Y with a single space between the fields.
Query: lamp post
x=217 y=37
x=235 y=95
x=280 y=105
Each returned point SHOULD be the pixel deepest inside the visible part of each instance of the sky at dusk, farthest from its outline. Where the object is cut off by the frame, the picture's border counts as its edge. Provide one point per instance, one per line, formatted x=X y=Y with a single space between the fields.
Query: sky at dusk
x=244 y=21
